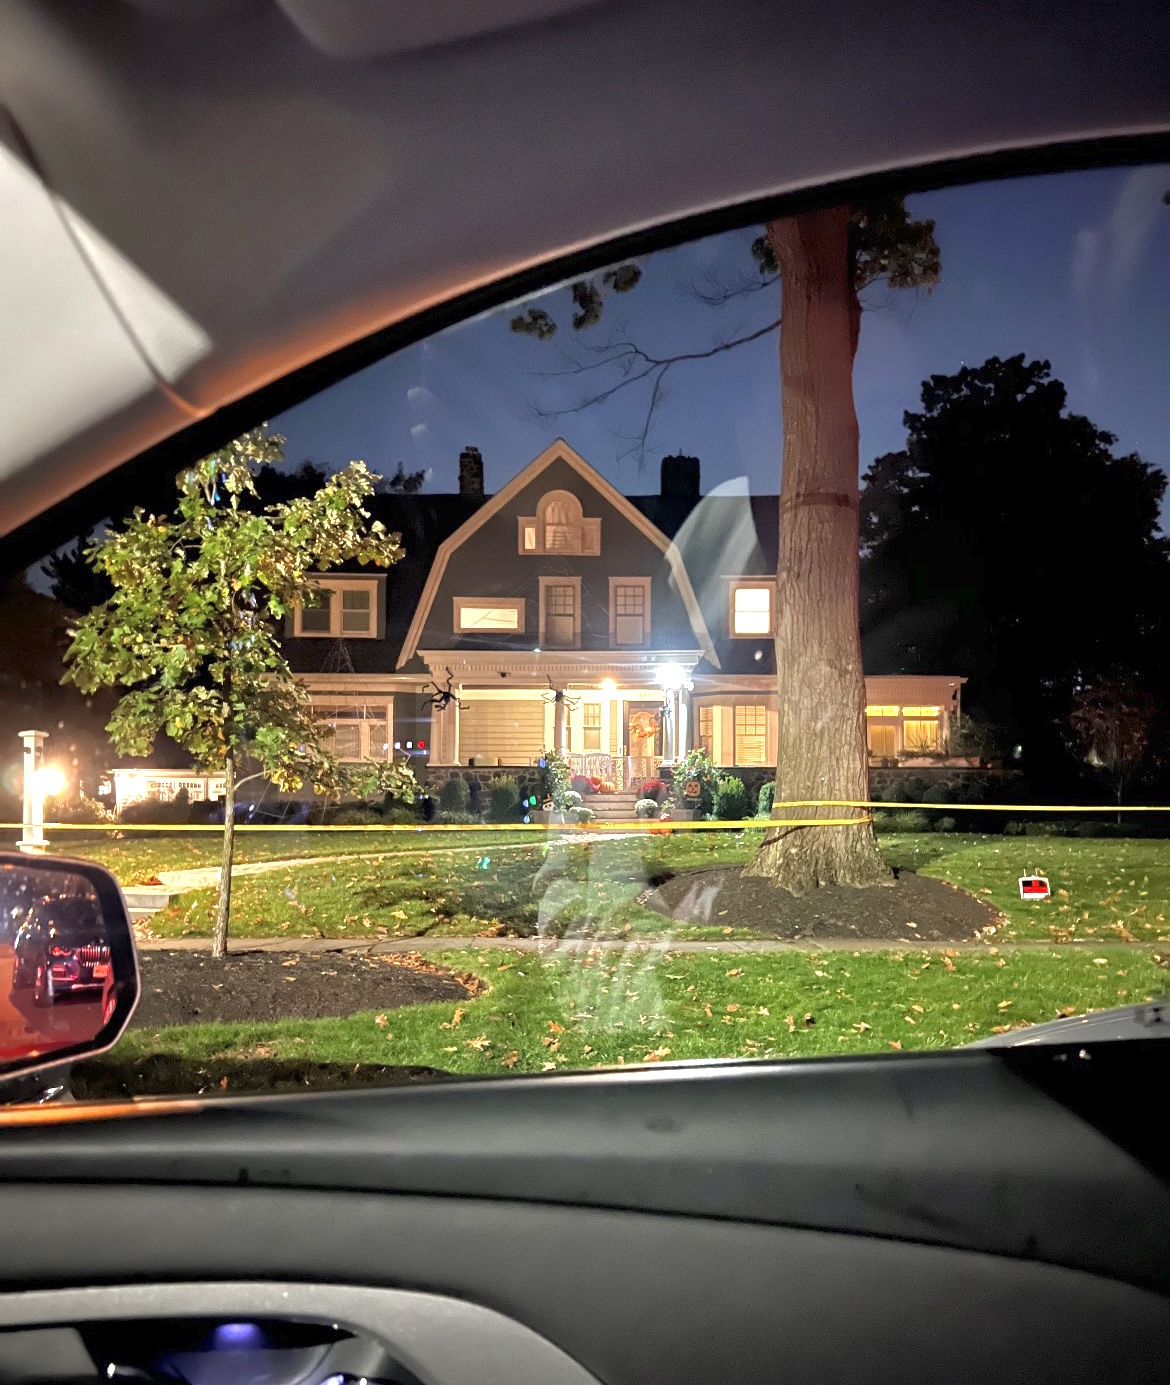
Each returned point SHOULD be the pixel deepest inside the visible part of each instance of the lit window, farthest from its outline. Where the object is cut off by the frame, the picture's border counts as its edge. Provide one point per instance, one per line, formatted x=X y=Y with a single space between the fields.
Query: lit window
x=921 y=711
x=707 y=730
x=591 y=726
x=504 y=616
x=629 y=609
x=751 y=609
x=355 y=730
x=883 y=740
x=559 y=526
x=883 y=711
x=920 y=735
x=751 y=733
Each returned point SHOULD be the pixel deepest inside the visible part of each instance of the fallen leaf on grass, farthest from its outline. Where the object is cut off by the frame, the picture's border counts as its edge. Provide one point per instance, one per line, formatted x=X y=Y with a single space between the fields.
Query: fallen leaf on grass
x=479 y=1043
x=555 y=1027
x=509 y=1060
x=895 y=1043
x=791 y=1023
x=396 y=914
x=656 y=1055
x=380 y=1020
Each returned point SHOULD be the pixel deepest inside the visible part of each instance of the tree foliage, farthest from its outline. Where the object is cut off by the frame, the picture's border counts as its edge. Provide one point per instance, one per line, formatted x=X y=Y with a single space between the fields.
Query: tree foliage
x=997 y=542
x=1114 y=722
x=189 y=635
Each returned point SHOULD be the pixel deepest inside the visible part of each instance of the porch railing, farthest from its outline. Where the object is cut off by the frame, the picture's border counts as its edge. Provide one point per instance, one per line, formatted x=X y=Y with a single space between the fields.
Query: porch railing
x=624 y=771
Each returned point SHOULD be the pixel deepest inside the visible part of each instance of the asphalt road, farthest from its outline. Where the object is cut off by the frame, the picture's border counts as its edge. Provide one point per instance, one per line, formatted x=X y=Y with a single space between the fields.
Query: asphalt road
x=27 y=1031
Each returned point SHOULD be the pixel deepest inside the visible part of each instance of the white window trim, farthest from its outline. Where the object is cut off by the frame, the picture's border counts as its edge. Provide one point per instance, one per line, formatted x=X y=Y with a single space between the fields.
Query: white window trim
x=336 y=586
x=545 y=583
x=513 y=603
x=767 y=584
x=645 y=584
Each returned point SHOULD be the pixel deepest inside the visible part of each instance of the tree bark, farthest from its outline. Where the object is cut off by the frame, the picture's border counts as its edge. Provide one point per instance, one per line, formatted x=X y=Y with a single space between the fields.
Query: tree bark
x=821 y=745
x=223 y=901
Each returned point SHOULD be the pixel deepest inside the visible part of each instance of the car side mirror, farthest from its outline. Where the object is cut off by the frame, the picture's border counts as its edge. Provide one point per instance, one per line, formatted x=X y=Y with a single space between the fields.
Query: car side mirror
x=68 y=969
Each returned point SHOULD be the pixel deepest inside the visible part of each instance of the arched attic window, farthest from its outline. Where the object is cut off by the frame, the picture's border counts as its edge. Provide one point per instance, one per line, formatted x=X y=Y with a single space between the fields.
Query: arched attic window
x=560 y=526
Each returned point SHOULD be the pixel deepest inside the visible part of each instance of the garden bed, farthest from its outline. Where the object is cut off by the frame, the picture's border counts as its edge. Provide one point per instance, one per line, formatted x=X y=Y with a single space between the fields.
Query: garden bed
x=193 y=988
x=913 y=908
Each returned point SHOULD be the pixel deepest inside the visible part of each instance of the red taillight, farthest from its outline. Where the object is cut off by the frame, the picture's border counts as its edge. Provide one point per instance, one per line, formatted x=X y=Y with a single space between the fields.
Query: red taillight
x=56 y=951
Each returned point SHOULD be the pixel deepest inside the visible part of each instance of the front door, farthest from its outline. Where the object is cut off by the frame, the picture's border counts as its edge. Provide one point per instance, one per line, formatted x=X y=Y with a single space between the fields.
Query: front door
x=644 y=737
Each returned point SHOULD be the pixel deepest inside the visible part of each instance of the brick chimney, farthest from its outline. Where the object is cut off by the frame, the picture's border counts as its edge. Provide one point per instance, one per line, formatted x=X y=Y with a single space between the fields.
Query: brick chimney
x=680 y=479
x=471 y=473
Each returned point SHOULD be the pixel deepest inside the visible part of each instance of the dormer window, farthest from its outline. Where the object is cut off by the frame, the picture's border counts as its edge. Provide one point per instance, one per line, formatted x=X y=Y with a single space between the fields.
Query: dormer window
x=345 y=608
x=559 y=526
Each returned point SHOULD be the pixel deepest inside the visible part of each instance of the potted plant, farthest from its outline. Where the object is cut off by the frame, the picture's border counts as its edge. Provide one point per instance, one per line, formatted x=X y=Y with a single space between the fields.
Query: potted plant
x=693 y=786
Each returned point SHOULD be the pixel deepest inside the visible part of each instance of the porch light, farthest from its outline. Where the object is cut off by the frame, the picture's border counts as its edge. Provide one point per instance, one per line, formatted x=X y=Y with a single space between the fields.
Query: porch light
x=671 y=677
x=608 y=685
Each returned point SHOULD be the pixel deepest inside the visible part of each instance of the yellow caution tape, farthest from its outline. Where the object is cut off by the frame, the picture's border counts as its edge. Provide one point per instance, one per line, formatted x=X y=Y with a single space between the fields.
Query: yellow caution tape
x=634 y=824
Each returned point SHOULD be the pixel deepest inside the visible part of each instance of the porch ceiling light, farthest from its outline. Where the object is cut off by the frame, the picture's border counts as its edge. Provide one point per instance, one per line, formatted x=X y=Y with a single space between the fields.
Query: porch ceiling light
x=608 y=685
x=672 y=677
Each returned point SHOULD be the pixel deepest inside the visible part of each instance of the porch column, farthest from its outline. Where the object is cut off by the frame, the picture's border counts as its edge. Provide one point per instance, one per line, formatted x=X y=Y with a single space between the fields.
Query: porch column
x=560 y=738
x=445 y=734
x=670 y=727
x=684 y=725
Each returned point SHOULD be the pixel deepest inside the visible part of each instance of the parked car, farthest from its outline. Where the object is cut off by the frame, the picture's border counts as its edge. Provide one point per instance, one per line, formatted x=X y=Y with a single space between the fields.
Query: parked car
x=61 y=949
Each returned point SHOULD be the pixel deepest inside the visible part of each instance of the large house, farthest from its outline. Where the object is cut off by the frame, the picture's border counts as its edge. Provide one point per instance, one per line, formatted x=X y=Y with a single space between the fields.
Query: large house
x=559 y=611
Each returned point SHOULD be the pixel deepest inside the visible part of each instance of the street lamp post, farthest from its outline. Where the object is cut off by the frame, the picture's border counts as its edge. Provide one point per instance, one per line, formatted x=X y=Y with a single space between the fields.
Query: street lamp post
x=33 y=838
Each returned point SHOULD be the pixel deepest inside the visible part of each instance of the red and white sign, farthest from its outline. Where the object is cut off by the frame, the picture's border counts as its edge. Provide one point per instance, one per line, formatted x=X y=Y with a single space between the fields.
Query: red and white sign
x=1034 y=887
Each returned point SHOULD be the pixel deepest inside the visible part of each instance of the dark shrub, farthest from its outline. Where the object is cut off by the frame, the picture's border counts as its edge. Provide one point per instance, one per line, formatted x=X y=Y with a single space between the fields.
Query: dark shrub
x=505 y=800
x=455 y=796
x=155 y=811
x=765 y=800
x=731 y=800
x=945 y=824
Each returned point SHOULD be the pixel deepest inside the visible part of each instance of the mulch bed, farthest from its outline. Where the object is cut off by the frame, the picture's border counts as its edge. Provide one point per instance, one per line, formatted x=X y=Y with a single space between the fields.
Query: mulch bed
x=914 y=908
x=193 y=988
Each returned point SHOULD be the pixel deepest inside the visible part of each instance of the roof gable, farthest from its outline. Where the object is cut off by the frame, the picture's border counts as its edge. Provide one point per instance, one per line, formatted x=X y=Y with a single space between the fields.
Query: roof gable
x=558 y=452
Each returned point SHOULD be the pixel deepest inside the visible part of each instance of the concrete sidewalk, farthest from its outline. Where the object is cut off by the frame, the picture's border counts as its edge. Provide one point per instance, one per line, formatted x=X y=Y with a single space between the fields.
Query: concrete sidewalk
x=583 y=946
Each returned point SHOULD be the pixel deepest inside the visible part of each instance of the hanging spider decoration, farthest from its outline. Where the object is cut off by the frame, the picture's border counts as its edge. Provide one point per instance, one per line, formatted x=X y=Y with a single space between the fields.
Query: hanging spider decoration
x=442 y=698
x=555 y=695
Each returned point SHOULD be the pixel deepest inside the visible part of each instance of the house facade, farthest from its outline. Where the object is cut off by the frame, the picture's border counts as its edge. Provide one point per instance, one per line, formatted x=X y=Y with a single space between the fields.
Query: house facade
x=560 y=612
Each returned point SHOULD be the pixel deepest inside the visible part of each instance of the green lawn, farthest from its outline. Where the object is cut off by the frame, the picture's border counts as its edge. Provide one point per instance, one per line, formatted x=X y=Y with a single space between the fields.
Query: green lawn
x=135 y=855
x=499 y=887
x=1101 y=888
x=1116 y=890
x=564 y=1012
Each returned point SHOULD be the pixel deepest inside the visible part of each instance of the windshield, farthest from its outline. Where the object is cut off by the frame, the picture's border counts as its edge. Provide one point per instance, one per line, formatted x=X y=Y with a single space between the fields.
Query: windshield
x=752 y=650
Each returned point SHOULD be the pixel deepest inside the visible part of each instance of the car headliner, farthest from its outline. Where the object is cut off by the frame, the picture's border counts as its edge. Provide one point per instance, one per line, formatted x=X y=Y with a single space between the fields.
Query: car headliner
x=201 y=197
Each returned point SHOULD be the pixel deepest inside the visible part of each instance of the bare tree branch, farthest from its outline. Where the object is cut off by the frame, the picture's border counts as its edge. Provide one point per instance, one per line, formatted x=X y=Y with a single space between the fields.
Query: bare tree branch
x=636 y=365
x=714 y=291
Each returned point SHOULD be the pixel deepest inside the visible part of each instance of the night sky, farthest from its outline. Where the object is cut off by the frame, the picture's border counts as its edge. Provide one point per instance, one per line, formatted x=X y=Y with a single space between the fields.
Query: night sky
x=1073 y=268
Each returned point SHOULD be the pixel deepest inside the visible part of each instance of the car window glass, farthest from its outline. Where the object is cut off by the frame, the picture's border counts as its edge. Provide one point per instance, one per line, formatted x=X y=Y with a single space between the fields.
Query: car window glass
x=753 y=649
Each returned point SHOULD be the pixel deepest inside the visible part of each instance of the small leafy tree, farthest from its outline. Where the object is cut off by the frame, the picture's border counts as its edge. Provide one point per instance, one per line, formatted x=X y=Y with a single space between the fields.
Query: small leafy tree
x=190 y=632
x=1114 y=722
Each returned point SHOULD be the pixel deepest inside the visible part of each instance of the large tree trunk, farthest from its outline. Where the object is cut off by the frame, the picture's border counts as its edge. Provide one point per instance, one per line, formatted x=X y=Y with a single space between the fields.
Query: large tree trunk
x=821 y=748
x=223 y=901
